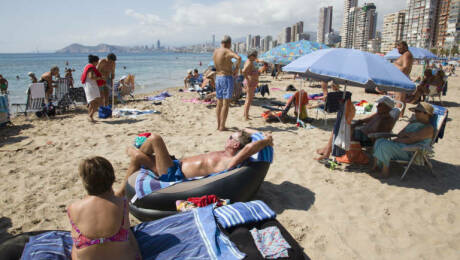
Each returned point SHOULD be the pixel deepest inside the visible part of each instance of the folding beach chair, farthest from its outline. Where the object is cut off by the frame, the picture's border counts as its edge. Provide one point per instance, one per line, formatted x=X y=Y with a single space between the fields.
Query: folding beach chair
x=422 y=153
x=4 y=110
x=435 y=92
x=332 y=104
x=62 y=96
x=127 y=89
x=35 y=98
x=77 y=95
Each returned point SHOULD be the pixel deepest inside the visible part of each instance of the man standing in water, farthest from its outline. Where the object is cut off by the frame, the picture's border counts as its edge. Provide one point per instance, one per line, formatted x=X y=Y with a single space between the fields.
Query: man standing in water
x=106 y=67
x=404 y=64
x=224 y=82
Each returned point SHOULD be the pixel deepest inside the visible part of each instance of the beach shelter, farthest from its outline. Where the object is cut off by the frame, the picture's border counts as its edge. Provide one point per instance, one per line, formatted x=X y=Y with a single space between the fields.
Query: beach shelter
x=352 y=67
x=417 y=53
x=288 y=52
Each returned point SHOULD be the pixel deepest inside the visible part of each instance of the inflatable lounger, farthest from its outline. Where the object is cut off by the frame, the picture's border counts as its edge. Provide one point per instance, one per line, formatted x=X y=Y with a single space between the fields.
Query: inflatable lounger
x=177 y=236
x=238 y=185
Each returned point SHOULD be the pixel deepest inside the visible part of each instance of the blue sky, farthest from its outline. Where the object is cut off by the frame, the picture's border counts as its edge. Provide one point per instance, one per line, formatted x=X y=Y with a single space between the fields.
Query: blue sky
x=48 y=25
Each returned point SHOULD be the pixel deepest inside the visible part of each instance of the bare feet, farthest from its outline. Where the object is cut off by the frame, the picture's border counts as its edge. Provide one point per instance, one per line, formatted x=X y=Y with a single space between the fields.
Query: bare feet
x=324 y=156
x=246 y=118
x=321 y=151
x=91 y=120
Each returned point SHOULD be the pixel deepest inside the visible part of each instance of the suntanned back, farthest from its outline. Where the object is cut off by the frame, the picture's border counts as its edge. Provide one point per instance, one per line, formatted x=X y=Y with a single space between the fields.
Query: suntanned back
x=222 y=62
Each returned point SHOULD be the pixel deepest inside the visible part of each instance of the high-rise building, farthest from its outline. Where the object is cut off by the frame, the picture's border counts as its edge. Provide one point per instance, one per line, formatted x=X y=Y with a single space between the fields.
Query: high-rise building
x=324 y=23
x=393 y=30
x=420 y=23
x=294 y=33
x=158 y=44
x=441 y=25
x=266 y=46
x=300 y=27
x=213 y=40
x=331 y=38
x=256 y=42
x=453 y=25
x=346 y=24
x=365 y=26
x=286 y=35
x=349 y=32
x=248 y=42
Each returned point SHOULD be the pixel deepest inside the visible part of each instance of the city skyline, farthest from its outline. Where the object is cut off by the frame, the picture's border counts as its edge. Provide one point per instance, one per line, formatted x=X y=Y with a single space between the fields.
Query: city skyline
x=175 y=23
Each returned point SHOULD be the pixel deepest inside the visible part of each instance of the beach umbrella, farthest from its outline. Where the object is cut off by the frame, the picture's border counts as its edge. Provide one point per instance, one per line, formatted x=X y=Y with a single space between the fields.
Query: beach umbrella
x=417 y=53
x=244 y=58
x=288 y=52
x=352 y=67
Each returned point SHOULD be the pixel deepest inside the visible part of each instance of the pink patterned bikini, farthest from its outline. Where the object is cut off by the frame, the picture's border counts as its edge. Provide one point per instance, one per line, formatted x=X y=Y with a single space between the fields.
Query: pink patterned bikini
x=82 y=241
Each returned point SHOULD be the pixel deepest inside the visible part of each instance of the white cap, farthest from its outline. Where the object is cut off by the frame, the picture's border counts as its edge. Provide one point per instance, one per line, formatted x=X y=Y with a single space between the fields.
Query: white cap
x=189 y=71
x=30 y=74
x=387 y=101
x=124 y=77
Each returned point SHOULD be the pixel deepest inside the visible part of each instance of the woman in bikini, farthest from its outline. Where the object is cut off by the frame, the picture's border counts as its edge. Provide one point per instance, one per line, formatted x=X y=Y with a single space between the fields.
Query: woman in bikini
x=251 y=80
x=100 y=222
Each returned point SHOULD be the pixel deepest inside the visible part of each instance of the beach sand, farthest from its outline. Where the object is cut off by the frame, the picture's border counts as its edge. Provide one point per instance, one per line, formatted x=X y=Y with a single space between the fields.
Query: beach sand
x=340 y=214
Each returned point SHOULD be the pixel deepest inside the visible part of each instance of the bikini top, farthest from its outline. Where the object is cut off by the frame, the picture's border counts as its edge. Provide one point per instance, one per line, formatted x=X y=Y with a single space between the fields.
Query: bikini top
x=82 y=241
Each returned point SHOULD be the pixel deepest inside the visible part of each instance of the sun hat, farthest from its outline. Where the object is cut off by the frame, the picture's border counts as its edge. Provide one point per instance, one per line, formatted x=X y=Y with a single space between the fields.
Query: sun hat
x=389 y=102
x=30 y=74
x=423 y=107
x=124 y=77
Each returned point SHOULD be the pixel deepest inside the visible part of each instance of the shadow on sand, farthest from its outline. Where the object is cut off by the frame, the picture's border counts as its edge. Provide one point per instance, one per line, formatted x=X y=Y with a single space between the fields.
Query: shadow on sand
x=8 y=134
x=122 y=121
x=286 y=195
x=5 y=223
x=418 y=177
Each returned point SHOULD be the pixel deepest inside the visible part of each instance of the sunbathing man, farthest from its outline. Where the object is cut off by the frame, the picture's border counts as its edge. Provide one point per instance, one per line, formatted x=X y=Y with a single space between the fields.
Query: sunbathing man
x=423 y=88
x=154 y=156
x=47 y=78
x=107 y=68
x=381 y=121
x=224 y=82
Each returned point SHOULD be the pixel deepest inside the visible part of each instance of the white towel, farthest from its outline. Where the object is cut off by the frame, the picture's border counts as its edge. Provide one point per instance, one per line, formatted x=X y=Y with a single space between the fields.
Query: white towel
x=37 y=90
x=91 y=90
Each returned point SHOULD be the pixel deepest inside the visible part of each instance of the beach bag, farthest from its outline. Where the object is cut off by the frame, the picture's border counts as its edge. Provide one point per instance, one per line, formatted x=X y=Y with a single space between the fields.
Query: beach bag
x=105 y=112
x=47 y=109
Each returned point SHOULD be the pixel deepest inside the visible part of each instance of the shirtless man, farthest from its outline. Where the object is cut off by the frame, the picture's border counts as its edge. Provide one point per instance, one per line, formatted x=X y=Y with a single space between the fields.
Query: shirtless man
x=404 y=64
x=47 y=78
x=106 y=67
x=154 y=156
x=224 y=82
x=3 y=85
x=378 y=122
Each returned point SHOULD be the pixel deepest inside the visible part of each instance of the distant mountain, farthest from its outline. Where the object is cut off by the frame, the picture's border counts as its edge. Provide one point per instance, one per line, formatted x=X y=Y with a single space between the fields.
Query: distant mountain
x=103 y=48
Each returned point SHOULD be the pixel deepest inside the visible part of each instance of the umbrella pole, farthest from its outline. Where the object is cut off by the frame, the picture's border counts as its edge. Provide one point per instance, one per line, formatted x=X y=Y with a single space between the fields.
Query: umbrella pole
x=113 y=96
x=300 y=98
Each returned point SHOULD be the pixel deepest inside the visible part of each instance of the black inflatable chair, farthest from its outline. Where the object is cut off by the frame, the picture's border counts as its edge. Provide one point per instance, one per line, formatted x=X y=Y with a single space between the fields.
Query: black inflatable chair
x=238 y=185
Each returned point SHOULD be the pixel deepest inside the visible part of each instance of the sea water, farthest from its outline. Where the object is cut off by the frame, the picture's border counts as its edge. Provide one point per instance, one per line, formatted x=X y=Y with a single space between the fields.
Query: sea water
x=153 y=71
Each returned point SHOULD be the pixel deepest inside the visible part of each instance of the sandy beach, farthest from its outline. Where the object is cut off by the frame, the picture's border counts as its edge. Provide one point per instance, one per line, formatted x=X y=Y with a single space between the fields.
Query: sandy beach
x=339 y=214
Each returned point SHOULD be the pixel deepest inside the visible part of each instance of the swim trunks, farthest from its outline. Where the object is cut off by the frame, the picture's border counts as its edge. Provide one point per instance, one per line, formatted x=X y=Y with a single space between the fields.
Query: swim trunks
x=224 y=87
x=107 y=86
x=174 y=173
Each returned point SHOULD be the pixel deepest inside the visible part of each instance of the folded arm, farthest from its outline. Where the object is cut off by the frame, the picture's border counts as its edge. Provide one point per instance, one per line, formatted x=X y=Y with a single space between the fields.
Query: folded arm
x=249 y=150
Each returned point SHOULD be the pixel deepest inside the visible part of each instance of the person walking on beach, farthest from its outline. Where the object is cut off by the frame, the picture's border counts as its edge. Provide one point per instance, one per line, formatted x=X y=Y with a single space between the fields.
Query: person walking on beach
x=224 y=82
x=251 y=80
x=3 y=85
x=47 y=78
x=404 y=64
x=92 y=79
x=107 y=68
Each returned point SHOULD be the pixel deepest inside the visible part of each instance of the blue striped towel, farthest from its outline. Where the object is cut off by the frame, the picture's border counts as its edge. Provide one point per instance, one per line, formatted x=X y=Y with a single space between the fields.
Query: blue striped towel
x=189 y=235
x=242 y=213
x=147 y=182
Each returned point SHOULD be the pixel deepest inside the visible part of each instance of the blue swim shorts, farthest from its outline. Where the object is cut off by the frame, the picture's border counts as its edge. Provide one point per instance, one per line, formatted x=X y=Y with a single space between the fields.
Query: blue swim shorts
x=224 y=87
x=174 y=173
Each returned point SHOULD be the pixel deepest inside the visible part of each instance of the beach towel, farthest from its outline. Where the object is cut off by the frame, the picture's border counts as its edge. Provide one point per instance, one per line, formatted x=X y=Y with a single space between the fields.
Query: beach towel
x=159 y=97
x=147 y=182
x=243 y=213
x=100 y=82
x=132 y=113
x=270 y=243
x=198 y=101
x=37 y=90
x=189 y=235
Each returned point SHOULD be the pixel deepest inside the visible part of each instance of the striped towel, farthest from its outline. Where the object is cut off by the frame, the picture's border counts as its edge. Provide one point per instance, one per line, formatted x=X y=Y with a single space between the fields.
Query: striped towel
x=147 y=182
x=189 y=235
x=242 y=213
